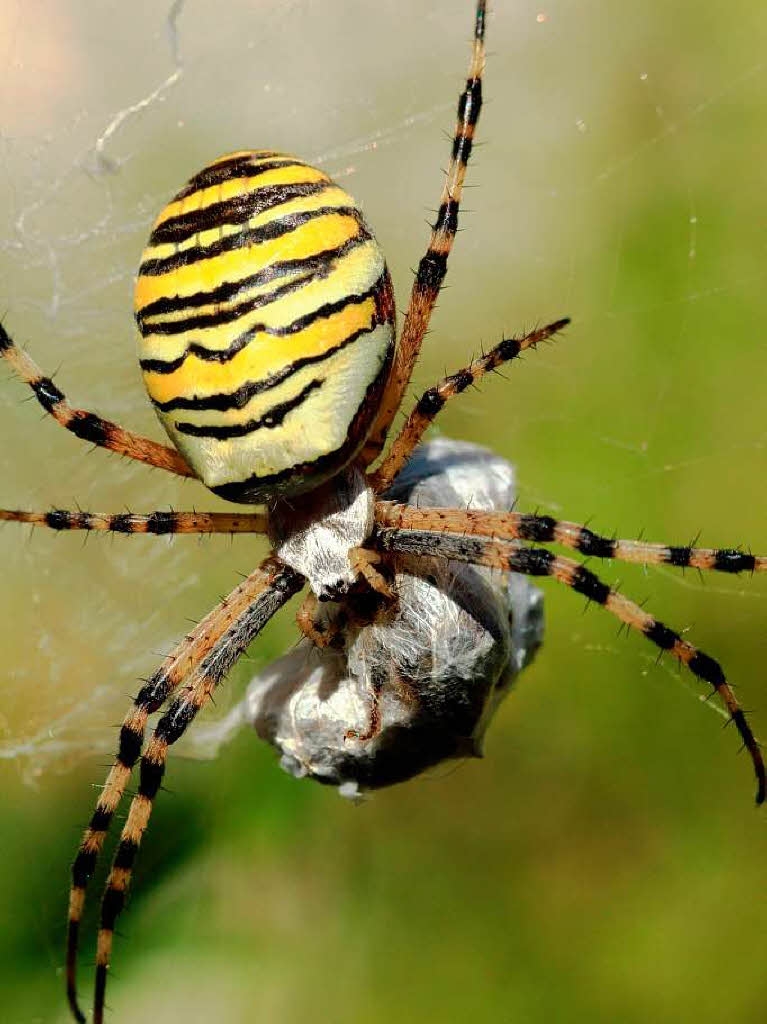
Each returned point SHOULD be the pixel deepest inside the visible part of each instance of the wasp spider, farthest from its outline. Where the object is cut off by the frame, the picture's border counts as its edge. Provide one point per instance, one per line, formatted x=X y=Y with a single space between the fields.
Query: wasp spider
x=268 y=350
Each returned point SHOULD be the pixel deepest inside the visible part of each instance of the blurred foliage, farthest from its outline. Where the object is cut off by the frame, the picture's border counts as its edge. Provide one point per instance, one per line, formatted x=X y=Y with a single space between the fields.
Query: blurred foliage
x=603 y=863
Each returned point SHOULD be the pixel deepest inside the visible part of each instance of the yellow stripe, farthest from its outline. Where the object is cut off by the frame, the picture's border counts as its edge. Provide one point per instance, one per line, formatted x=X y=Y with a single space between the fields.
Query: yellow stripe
x=318 y=427
x=293 y=175
x=261 y=357
x=353 y=274
x=162 y=347
x=324 y=232
x=331 y=197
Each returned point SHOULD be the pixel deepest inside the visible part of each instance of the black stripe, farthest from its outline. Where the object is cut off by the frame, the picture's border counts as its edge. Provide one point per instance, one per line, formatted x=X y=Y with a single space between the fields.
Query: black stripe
x=58 y=519
x=267 y=232
x=100 y=820
x=319 y=263
x=470 y=102
x=6 y=344
x=151 y=775
x=704 y=667
x=130 y=745
x=431 y=271
x=46 y=392
x=462 y=146
x=83 y=867
x=728 y=560
x=122 y=522
x=459 y=381
x=509 y=348
x=662 y=636
x=678 y=556
x=89 y=427
x=153 y=694
x=221 y=401
x=590 y=543
x=224 y=355
x=126 y=854
x=430 y=403
x=447 y=217
x=228 y=315
x=586 y=583
x=112 y=903
x=175 y=720
x=537 y=528
x=162 y=522
x=273 y=418
x=237 y=167
x=237 y=210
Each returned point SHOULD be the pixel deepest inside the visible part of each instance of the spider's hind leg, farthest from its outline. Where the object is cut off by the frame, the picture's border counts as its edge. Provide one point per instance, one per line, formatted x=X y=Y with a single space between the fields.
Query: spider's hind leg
x=547 y=530
x=510 y=556
x=87 y=425
x=185 y=657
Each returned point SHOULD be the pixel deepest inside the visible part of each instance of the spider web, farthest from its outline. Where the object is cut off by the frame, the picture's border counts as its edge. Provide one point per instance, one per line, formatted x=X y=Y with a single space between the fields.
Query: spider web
x=619 y=181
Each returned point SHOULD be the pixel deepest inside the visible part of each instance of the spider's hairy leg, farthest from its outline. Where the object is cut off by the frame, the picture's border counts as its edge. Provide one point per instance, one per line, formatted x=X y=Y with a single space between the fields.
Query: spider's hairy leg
x=547 y=530
x=531 y=561
x=433 y=400
x=156 y=523
x=179 y=663
x=433 y=266
x=87 y=425
x=278 y=583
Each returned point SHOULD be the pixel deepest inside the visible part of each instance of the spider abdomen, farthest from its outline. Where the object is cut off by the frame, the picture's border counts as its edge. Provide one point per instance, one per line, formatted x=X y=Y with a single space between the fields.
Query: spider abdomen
x=267 y=320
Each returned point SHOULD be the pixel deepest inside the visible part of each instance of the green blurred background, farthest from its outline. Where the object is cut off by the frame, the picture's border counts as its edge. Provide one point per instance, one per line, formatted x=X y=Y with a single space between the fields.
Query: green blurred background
x=604 y=862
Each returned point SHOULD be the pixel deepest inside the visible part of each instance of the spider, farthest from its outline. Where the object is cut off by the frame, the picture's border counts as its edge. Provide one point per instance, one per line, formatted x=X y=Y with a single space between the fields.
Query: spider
x=268 y=350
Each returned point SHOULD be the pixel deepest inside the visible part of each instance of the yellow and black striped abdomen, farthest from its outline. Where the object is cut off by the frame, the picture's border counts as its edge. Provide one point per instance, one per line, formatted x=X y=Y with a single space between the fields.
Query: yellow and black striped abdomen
x=267 y=321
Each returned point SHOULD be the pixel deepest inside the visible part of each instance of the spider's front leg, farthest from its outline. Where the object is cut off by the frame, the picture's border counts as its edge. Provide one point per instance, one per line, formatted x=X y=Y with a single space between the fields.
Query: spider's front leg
x=87 y=425
x=155 y=523
x=433 y=266
x=433 y=400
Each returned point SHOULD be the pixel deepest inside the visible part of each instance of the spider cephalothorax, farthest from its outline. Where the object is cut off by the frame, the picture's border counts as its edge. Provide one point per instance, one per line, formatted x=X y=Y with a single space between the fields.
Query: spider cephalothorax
x=267 y=323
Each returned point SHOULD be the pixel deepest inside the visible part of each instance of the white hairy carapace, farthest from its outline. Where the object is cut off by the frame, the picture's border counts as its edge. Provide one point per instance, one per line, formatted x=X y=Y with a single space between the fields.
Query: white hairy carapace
x=316 y=534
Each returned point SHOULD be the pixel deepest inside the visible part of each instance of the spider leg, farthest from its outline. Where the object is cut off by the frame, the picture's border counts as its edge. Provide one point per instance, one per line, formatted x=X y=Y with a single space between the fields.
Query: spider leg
x=185 y=657
x=153 y=522
x=531 y=561
x=312 y=623
x=546 y=530
x=433 y=266
x=278 y=583
x=87 y=425
x=432 y=401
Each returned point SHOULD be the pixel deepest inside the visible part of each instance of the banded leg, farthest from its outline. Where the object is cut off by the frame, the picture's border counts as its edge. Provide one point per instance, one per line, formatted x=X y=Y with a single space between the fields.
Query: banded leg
x=278 y=583
x=546 y=530
x=433 y=400
x=433 y=266
x=532 y=561
x=157 y=523
x=182 y=660
x=87 y=425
